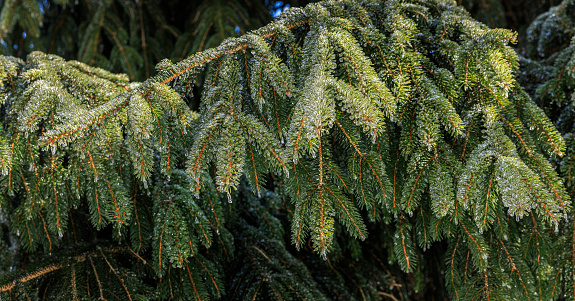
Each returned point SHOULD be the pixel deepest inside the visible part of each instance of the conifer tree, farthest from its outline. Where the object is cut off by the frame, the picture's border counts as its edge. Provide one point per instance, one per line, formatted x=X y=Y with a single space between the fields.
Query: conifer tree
x=391 y=133
x=123 y=35
x=547 y=71
x=512 y=14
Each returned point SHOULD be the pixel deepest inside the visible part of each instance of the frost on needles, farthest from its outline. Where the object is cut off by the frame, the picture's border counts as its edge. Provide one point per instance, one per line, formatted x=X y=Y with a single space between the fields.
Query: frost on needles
x=366 y=113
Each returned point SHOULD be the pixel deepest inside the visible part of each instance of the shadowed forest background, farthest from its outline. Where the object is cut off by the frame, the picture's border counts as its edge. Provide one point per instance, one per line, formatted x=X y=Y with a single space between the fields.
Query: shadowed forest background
x=148 y=31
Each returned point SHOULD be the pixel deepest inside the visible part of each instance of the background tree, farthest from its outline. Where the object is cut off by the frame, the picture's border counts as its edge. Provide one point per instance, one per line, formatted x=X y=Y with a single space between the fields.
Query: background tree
x=127 y=36
x=547 y=71
x=325 y=122
x=512 y=14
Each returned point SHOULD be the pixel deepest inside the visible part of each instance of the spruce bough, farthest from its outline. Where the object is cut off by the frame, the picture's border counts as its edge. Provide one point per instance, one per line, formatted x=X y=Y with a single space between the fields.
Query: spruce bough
x=401 y=118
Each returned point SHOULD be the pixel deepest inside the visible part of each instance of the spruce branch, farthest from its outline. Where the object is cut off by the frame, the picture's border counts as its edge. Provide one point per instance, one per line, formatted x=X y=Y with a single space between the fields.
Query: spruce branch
x=51 y=267
x=406 y=113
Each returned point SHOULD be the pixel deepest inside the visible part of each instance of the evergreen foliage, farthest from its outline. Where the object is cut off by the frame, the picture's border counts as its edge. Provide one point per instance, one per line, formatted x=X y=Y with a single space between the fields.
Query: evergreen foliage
x=490 y=12
x=333 y=151
x=548 y=69
x=547 y=72
x=122 y=35
x=512 y=14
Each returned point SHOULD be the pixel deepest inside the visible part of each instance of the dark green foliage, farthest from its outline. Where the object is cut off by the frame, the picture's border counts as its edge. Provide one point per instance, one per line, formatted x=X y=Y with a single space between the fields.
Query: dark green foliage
x=548 y=71
x=512 y=14
x=490 y=12
x=347 y=150
x=123 y=35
